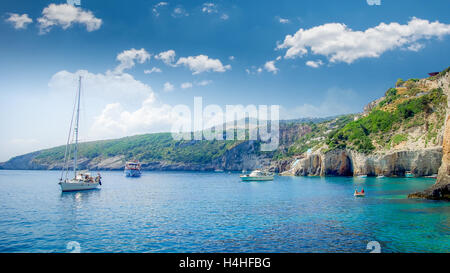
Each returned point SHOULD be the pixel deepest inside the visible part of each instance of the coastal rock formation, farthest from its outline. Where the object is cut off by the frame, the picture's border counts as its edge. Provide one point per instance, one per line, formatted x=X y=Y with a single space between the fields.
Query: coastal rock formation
x=441 y=190
x=422 y=162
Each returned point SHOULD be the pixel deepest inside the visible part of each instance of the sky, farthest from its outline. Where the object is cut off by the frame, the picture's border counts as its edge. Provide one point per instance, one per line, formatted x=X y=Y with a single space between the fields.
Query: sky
x=140 y=58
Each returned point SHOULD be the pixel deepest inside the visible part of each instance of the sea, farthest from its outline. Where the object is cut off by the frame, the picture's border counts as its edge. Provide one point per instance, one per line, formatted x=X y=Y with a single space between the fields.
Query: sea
x=216 y=212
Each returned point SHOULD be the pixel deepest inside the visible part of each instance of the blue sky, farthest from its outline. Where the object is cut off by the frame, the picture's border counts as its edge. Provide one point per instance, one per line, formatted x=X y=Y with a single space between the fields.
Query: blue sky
x=41 y=57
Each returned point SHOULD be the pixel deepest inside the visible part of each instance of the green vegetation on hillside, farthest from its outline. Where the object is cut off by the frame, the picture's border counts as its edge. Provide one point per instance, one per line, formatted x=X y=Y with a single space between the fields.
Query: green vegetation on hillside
x=146 y=148
x=317 y=134
x=359 y=135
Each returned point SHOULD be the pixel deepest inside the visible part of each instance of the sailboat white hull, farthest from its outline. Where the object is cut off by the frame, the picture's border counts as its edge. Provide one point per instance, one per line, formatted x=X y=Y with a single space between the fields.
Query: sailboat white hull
x=77 y=186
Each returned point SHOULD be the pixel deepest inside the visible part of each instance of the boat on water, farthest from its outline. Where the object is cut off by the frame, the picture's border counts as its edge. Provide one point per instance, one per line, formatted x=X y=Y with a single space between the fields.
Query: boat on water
x=434 y=176
x=362 y=176
x=409 y=175
x=257 y=175
x=359 y=194
x=381 y=176
x=82 y=180
x=132 y=169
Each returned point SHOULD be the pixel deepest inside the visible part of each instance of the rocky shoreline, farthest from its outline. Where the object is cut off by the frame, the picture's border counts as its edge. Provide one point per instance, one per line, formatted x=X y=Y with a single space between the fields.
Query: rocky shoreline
x=424 y=162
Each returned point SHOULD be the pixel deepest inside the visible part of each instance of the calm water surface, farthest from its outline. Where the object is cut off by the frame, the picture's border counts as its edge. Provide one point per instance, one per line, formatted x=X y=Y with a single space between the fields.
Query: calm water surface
x=215 y=212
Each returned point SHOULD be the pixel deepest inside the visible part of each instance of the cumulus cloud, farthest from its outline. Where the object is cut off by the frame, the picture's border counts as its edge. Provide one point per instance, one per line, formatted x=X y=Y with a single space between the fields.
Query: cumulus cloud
x=115 y=121
x=314 y=64
x=128 y=57
x=109 y=85
x=168 y=87
x=168 y=57
x=202 y=63
x=339 y=43
x=179 y=12
x=19 y=21
x=270 y=67
x=209 y=8
x=65 y=15
x=186 y=85
x=157 y=7
x=153 y=70
x=224 y=16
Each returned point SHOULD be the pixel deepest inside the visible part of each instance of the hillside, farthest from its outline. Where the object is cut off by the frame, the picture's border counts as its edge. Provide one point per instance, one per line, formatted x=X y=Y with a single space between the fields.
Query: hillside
x=161 y=152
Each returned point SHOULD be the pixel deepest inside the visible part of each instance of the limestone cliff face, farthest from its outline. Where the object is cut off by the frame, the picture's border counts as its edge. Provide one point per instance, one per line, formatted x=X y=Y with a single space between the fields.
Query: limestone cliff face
x=422 y=162
x=441 y=190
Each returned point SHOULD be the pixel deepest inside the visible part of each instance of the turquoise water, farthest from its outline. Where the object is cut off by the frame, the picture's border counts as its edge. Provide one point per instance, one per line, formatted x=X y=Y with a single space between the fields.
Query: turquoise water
x=215 y=212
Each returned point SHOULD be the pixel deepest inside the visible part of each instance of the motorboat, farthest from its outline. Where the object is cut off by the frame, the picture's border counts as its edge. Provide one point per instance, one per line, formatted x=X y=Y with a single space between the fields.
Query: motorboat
x=132 y=169
x=257 y=175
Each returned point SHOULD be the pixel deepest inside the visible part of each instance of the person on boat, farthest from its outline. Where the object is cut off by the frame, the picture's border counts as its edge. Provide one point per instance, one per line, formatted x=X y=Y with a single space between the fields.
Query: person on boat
x=356 y=191
x=98 y=179
x=362 y=191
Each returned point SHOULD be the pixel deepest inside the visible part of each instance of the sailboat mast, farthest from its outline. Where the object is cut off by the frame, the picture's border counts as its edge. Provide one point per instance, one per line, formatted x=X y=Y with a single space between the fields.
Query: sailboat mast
x=76 y=129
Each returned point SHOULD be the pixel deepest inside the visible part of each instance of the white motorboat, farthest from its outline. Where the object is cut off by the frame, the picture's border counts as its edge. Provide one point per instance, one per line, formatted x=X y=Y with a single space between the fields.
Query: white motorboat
x=257 y=176
x=81 y=180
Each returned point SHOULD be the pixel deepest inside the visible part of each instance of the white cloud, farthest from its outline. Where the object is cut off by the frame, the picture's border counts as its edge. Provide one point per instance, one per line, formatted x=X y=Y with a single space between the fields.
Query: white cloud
x=157 y=6
x=153 y=70
x=314 y=64
x=415 y=47
x=339 y=43
x=168 y=57
x=19 y=21
x=209 y=8
x=283 y=20
x=202 y=63
x=65 y=15
x=179 y=12
x=128 y=57
x=204 y=83
x=151 y=117
x=186 y=85
x=270 y=66
x=231 y=58
x=121 y=87
x=224 y=16
x=168 y=87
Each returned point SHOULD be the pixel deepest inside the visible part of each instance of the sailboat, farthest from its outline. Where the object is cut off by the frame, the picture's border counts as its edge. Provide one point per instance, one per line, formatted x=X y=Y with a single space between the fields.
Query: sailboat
x=81 y=180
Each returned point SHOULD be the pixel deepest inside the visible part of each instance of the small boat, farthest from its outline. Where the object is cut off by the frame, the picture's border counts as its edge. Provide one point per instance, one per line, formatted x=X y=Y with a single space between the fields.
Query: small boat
x=81 y=180
x=362 y=176
x=219 y=171
x=362 y=193
x=434 y=176
x=257 y=176
x=132 y=169
x=381 y=176
x=409 y=175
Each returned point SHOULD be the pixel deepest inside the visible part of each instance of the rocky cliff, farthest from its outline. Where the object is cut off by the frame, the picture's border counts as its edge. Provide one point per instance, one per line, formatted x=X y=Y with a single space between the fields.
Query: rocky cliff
x=423 y=162
x=441 y=190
